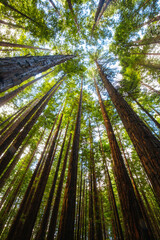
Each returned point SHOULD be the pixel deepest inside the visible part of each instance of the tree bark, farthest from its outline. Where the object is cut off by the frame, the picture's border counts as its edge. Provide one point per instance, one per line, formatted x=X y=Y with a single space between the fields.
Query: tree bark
x=15 y=124
x=66 y=226
x=91 y=230
x=54 y=215
x=43 y=226
x=8 y=44
x=9 y=96
x=6 y=208
x=141 y=204
x=144 y=110
x=15 y=70
x=73 y=14
x=116 y=225
x=55 y=8
x=146 y=144
x=17 y=11
x=151 y=88
x=98 y=223
x=135 y=226
x=22 y=228
x=79 y=208
x=11 y=24
x=154 y=19
x=17 y=142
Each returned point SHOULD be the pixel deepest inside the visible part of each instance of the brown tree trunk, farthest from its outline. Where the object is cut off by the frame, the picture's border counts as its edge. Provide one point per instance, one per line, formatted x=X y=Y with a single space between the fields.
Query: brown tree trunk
x=91 y=231
x=143 y=42
x=151 y=88
x=100 y=5
x=17 y=11
x=43 y=226
x=32 y=184
x=22 y=228
x=9 y=96
x=79 y=208
x=105 y=234
x=55 y=8
x=98 y=224
x=14 y=117
x=135 y=226
x=154 y=19
x=146 y=144
x=150 y=65
x=6 y=174
x=11 y=24
x=54 y=215
x=8 y=44
x=154 y=110
x=141 y=204
x=66 y=226
x=148 y=54
x=105 y=5
x=11 y=129
x=144 y=110
x=15 y=70
x=9 y=50
x=73 y=14
x=116 y=225
x=17 y=142
x=6 y=208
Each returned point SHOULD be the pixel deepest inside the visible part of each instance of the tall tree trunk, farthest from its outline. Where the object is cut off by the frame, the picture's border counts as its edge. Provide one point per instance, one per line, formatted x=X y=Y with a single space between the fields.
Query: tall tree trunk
x=15 y=70
x=150 y=65
x=105 y=5
x=135 y=226
x=11 y=24
x=155 y=110
x=147 y=54
x=154 y=19
x=79 y=208
x=9 y=50
x=73 y=14
x=22 y=228
x=17 y=11
x=43 y=226
x=6 y=208
x=141 y=204
x=8 y=44
x=143 y=42
x=83 y=212
x=100 y=5
x=6 y=174
x=14 y=117
x=54 y=215
x=9 y=96
x=144 y=110
x=11 y=129
x=105 y=234
x=66 y=226
x=146 y=144
x=98 y=224
x=91 y=230
x=32 y=184
x=55 y=8
x=151 y=88
x=116 y=225
x=6 y=158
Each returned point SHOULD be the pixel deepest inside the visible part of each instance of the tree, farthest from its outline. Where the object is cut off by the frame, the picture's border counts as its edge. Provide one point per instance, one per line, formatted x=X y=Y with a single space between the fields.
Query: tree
x=32 y=65
x=148 y=149
x=66 y=227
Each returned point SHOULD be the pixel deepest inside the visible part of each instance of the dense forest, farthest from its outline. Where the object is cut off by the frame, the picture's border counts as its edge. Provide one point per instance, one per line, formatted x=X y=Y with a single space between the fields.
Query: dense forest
x=79 y=119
